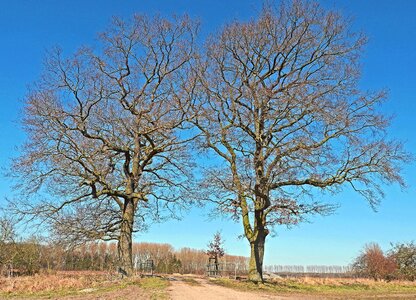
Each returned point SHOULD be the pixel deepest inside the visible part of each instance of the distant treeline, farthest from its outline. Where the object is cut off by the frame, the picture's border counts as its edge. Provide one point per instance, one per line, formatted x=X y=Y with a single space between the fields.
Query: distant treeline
x=31 y=256
x=318 y=269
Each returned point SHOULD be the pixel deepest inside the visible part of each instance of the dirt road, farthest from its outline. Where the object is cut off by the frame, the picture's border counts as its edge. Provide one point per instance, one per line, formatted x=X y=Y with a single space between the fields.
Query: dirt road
x=201 y=289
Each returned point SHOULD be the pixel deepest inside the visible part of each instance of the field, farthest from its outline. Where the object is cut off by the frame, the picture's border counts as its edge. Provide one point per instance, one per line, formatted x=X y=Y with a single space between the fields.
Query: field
x=338 y=288
x=100 y=285
x=81 y=285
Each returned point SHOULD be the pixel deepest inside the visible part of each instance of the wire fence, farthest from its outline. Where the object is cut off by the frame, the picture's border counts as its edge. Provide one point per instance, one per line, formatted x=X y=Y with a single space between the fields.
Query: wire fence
x=226 y=269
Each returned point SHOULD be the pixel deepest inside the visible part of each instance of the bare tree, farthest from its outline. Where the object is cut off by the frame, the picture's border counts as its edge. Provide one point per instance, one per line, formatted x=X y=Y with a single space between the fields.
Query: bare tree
x=404 y=255
x=281 y=108
x=373 y=263
x=7 y=230
x=9 y=247
x=216 y=249
x=104 y=142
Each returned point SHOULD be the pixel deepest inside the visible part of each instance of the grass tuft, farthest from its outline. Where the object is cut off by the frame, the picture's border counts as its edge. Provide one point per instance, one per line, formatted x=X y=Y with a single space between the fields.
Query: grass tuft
x=191 y=281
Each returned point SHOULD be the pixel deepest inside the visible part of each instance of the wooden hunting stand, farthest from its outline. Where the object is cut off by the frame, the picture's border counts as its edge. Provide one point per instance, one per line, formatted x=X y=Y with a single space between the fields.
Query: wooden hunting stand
x=213 y=268
x=147 y=267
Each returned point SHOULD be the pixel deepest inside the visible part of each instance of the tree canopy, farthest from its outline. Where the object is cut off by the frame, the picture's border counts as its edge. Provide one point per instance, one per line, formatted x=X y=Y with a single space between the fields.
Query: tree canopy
x=103 y=132
x=280 y=106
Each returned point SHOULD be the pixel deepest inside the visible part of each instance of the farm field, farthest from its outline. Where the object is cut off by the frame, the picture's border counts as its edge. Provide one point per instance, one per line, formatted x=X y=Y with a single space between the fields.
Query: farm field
x=100 y=285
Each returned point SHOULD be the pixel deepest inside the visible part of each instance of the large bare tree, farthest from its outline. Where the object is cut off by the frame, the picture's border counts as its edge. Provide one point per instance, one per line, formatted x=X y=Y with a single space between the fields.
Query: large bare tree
x=281 y=109
x=104 y=133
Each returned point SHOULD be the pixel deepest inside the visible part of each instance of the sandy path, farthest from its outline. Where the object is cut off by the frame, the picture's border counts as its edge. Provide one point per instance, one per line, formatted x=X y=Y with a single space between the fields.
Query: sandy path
x=180 y=290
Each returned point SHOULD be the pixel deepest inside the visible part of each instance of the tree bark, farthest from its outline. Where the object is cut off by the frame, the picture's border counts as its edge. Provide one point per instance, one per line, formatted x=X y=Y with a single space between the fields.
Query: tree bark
x=255 y=267
x=125 y=247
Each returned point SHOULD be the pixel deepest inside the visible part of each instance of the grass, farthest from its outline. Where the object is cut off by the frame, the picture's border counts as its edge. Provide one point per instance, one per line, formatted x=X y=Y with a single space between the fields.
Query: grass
x=61 y=283
x=156 y=286
x=191 y=281
x=79 y=284
x=62 y=292
x=95 y=285
x=357 y=288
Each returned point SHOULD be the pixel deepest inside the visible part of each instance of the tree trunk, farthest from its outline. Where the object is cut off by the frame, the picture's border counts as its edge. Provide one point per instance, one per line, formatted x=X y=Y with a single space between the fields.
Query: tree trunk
x=125 y=252
x=255 y=267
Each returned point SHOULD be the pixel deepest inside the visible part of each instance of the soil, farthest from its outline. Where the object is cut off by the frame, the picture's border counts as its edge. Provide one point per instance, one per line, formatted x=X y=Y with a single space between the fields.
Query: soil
x=182 y=288
x=130 y=292
x=201 y=289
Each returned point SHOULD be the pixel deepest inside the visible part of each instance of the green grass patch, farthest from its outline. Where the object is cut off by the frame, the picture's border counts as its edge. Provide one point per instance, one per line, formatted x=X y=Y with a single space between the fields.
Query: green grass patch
x=191 y=281
x=155 y=286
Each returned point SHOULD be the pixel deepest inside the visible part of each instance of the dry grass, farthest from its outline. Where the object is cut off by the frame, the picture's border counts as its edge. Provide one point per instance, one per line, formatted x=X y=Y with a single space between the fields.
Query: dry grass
x=344 y=287
x=52 y=282
x=99 y=285
x=82 y=283
x=369 y=283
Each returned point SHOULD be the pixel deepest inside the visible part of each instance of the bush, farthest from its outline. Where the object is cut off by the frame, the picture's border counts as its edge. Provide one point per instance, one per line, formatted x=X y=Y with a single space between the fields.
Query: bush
x=374 y=264
x=404 y=255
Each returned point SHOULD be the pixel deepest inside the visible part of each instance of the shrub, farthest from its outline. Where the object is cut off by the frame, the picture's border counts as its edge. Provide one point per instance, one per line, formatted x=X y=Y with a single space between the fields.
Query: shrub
x=374 y=264
x=404 y=255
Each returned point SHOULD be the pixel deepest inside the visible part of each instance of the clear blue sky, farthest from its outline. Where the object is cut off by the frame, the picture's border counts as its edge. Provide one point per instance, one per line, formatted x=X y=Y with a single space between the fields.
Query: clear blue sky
x=29 y=27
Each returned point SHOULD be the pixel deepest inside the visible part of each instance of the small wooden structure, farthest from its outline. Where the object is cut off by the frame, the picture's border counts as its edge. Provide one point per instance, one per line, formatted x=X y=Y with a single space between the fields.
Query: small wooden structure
x=213 y=267
x=147 y=267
